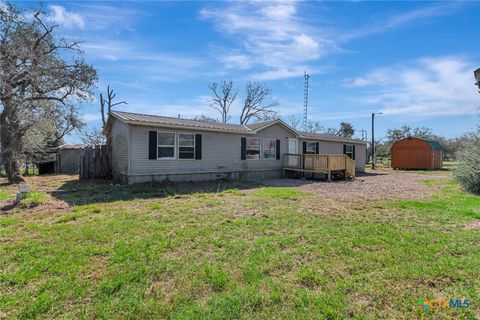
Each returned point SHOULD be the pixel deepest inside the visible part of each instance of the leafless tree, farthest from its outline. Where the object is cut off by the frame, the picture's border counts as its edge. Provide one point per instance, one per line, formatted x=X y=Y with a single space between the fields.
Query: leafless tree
x=36 y=66
x=258 y=103
x=314 y=127
x=108 y=103
x=92 y=136
x=294 y=122
x=205 y=118
x=224 y=95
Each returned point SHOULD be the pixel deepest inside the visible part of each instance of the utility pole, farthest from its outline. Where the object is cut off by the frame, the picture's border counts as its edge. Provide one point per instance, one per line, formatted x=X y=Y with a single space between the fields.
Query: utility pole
x=305 y=100
x=372 y=147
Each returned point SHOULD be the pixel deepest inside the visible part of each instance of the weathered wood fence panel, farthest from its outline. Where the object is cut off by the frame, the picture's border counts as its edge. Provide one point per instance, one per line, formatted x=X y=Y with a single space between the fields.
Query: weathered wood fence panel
x=95 y=163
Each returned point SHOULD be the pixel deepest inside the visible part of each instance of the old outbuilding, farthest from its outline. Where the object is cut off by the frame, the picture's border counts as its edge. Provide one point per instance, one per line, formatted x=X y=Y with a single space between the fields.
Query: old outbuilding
x=416 y=153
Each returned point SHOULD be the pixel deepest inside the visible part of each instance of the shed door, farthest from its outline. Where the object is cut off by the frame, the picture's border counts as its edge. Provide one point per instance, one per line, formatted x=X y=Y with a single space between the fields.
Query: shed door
x=293 y=148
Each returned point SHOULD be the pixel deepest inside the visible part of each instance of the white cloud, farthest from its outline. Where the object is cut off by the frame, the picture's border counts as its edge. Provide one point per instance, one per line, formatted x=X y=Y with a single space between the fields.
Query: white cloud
x=428 y=87
x=399 y=20
x=236 y=61
x=65 y=18
x=270 y=35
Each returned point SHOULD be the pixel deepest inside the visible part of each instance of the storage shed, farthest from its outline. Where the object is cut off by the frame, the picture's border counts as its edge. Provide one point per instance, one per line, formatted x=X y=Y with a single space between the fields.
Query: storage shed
x=416 y=153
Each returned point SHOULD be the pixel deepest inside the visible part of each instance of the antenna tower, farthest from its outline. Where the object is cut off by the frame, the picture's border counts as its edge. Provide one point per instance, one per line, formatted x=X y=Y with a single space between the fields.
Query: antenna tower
x=305 y=101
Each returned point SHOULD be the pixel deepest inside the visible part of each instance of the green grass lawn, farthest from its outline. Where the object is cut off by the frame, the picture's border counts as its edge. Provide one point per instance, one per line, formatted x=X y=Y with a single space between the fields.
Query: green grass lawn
x=262 y=253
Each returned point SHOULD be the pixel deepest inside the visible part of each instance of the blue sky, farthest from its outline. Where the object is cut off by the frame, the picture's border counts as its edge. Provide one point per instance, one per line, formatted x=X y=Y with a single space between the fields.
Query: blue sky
x=413 y=61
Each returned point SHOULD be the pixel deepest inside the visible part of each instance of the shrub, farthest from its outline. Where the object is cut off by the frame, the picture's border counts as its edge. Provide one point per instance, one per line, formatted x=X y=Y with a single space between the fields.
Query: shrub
x=468 y=170
x=33 y=199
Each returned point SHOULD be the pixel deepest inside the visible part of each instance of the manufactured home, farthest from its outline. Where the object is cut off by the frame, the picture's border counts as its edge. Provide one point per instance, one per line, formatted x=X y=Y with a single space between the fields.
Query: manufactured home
x=150 y=148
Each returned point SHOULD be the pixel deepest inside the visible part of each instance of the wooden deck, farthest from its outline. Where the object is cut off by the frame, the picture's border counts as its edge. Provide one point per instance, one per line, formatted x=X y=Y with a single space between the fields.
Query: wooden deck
x=319 y=163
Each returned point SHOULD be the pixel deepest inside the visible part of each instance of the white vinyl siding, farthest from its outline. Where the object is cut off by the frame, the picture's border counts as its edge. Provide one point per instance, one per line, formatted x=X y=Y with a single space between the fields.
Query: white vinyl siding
x=221 y=152
x=119 y=141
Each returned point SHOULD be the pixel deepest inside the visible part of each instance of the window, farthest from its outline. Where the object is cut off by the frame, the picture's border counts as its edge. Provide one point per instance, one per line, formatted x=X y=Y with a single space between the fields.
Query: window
x=253 y=149
x=349 y=150
x=186 y=146
x=166 y=145
x=269 y=149
x=311 y=148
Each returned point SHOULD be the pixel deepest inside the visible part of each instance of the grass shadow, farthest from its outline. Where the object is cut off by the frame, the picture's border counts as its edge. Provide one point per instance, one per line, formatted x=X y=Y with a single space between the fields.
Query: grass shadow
x=79 y=192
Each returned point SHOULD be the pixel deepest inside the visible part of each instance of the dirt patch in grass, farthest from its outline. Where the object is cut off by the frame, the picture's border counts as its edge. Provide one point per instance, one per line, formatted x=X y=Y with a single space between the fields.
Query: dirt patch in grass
x=380 y=185
x=473 y=225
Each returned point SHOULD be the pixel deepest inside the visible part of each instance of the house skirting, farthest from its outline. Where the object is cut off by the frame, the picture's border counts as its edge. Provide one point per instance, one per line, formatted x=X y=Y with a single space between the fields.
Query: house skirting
x=202 y=176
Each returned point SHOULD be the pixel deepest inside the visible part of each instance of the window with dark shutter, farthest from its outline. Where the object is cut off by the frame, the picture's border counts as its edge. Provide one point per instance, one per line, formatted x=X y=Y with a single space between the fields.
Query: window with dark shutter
x=198 y=147
x=152 y=145
x=304 y=147
x=278 y=150
x=186 y=146
x=243 y=153
x=310 y=147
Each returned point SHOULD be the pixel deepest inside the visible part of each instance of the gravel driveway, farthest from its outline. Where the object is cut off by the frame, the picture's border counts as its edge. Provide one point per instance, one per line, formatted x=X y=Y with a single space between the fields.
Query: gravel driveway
x=369 y=186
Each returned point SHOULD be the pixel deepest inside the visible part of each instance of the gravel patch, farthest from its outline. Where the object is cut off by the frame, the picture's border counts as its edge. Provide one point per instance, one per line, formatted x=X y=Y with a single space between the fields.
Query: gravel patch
x=376 y=185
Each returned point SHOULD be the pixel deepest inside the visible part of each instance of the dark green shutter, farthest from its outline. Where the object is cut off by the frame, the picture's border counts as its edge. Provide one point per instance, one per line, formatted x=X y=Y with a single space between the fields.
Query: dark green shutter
x=152 y=145
x=353 y=152
x=244 y=149
x=304 y=147
x=278 y=149
x=198 y=147
x=344 y=149
x=317 y=148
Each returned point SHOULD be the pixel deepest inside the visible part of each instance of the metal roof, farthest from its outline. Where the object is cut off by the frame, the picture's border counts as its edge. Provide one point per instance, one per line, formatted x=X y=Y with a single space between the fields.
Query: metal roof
x=147 y=119
x=154 y=120
x=434 y=145
x=321 y=136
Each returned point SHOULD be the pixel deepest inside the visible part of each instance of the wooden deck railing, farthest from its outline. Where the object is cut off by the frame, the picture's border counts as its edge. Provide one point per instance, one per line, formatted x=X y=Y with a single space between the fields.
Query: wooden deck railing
x=319 y=163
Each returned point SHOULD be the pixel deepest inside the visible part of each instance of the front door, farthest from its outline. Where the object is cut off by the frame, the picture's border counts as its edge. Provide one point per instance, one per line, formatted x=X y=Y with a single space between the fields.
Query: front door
x=293 y=148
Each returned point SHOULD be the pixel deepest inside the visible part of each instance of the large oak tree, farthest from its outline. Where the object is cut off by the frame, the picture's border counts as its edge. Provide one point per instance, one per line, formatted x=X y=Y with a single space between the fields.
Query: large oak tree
x=37 y=66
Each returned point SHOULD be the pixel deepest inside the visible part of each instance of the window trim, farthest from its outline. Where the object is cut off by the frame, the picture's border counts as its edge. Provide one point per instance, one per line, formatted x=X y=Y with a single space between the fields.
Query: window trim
x=174 y=146
x=274 y=149
x=178 y=145
x=260 y=149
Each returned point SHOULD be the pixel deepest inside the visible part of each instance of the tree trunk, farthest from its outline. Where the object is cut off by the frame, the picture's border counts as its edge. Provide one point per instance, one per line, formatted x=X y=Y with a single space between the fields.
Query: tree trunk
x=11 y=143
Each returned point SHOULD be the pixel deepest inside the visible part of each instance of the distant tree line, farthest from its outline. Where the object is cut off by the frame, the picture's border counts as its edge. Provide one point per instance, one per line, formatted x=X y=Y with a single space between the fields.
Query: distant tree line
x=450 y=146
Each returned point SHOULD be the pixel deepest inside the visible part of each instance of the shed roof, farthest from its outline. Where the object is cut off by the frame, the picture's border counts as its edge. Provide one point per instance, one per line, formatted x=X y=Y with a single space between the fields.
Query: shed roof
x=434 y=145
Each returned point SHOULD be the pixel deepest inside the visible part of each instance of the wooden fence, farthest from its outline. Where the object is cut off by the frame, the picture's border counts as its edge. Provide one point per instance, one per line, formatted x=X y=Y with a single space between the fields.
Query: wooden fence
x=95 y=163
